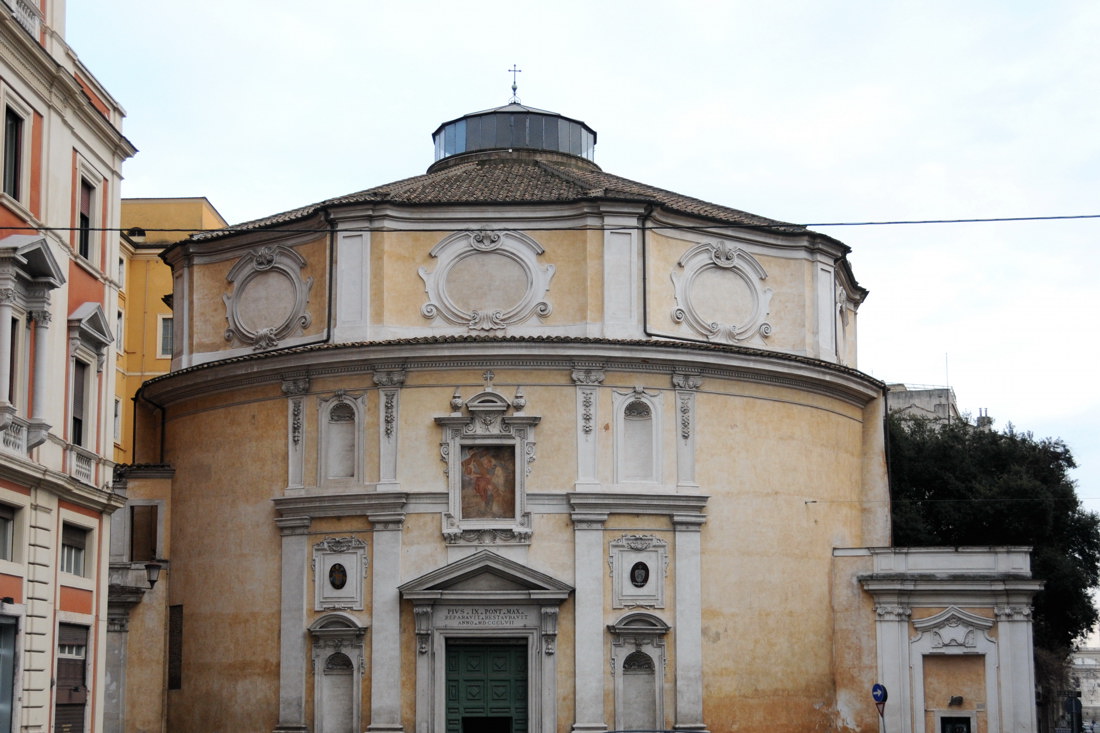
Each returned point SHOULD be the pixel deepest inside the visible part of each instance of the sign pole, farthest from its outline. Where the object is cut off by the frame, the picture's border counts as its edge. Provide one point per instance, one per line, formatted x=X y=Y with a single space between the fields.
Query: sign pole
x=879 y=695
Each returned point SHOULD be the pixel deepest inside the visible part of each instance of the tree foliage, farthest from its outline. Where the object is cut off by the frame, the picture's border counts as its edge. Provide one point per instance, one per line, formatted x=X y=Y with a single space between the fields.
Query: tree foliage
x=954 y=484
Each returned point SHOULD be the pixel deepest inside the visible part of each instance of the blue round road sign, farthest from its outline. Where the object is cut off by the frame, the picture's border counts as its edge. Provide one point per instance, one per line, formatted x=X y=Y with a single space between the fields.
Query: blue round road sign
x=878 y=693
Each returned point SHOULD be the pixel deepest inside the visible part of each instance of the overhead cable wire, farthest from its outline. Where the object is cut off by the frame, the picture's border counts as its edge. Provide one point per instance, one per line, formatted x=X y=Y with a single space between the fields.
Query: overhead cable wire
x=258 y=226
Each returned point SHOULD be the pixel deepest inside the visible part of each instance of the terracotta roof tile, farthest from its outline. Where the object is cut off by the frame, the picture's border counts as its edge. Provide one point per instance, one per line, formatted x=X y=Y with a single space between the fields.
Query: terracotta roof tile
x=519 y=180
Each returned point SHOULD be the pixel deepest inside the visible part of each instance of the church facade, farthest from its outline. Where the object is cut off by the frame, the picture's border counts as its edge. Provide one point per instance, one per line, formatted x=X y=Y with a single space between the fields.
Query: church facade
x=521 y=445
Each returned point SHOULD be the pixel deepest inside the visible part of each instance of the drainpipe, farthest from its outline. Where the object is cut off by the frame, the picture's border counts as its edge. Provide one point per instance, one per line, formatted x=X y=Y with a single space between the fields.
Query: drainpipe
x=645 y=272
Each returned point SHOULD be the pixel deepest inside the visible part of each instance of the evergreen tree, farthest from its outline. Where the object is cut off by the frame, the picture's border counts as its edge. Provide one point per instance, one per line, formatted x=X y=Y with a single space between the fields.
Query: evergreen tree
x=956 y=484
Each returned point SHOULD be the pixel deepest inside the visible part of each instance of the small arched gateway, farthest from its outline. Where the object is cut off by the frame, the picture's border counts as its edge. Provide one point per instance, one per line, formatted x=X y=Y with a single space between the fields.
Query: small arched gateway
x=486 y=635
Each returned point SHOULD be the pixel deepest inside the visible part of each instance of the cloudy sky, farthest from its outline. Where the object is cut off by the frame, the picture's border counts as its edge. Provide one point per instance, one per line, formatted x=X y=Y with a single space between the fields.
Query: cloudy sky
x=812 y=111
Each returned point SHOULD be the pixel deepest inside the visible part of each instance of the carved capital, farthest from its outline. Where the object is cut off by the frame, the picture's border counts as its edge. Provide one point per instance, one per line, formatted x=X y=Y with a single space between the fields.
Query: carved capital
x=588 y=376
x=893 y=612
x=682 y=380
x=295 y=386
x=391 y=378
x=422 y=616
x=41 y=317
x=548 y=625
x=1013 y=613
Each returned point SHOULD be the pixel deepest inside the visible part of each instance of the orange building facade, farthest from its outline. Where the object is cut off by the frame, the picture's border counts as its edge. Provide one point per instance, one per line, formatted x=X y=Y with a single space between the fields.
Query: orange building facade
x=61 y=158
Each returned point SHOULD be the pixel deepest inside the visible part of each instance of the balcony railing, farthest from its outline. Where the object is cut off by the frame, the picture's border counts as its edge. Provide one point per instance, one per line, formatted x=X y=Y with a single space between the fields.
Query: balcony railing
x=82 y=465
x=26 y=14
x=14 y=439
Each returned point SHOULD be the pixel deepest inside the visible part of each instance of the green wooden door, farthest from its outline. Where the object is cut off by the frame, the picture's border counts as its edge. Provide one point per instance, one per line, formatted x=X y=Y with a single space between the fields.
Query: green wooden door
x=487 y=687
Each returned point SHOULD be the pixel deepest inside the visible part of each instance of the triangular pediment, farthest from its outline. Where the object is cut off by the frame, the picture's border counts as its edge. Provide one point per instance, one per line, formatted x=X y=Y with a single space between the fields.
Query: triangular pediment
x=488 y=576
x=90 y=322
x=32 y=256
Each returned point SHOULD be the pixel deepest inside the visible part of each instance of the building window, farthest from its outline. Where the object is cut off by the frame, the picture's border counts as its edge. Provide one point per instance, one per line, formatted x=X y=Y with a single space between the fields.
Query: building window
x=85 y=218
x=119 y=331
x=8 y=629
x=7 y=532
x=118 y=420
x=72 y=687
x=73 y=542
x=143 y=533
x=15 y=363
x=121 y=273
x=79 y=402
x=13 y=153
x=175 y=647
x=164 y=338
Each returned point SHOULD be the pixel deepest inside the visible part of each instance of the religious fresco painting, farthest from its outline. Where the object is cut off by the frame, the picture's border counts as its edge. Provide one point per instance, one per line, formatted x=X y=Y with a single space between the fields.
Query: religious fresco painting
x=488 y=482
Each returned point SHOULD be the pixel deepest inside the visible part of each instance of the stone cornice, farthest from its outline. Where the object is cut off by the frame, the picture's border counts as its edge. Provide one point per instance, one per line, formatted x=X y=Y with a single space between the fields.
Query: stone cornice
x=658 y=357
x=684 y=508
x=25 y=473
x=384 y=507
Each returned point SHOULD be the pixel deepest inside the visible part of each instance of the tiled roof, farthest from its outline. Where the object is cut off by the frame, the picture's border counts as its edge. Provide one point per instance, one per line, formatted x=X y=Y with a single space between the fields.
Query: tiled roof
x=521 y=179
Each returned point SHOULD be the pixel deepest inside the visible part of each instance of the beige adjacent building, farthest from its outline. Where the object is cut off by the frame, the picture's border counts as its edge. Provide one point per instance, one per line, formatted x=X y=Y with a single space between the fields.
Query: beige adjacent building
x=521 y=445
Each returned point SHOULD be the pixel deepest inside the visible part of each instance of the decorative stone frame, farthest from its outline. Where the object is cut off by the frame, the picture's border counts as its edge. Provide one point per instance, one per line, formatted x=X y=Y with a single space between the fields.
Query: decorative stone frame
x=486 y=596
x=10 y=100
x=455 y=303
x=324 y=414
x=486 y=424
x=622 y=403
x=626 y=553
x=264 y=263
x=954 y=631
x=351 y=554
x=337 y=633
x=28 y=272
x=85 y=172
x=638 y=632
x=744 y=270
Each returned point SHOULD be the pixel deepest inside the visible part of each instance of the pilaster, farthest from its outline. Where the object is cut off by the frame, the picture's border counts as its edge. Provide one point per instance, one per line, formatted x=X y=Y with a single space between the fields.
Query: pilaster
x=385 y=696
x=589 y=627
x=689 y=622
x=292 y=624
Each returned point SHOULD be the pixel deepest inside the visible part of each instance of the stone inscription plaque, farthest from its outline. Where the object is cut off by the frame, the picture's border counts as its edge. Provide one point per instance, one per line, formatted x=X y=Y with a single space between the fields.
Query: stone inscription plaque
x=485 y=616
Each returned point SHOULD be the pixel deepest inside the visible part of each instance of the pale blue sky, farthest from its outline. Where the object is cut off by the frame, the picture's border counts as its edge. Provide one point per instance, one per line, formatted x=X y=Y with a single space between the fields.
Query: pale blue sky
x=813 y=111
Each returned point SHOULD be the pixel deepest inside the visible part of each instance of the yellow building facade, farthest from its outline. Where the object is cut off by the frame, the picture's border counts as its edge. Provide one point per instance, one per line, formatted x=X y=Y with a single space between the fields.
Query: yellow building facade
x=144 y=316
x=520 y=445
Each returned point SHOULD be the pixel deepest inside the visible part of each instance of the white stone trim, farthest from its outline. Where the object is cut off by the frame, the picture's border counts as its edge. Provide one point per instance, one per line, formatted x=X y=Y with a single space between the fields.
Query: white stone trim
x=954 y=631
x=588 y=379
x=621 y=402
x=385 y=697
x=689 y=622
x=295 y=390
x=262 y=261
x=482 y=422
x=324 y=444
x=626 y=553
x=622 y=278
x=440 y=599
x=292 y=622
x=588 y=607
x=443 y=302
x=722 y=256
x=686 y=385
x=336 y=633
x=389 y=384
x=350 y=554
x=352 y=284
x=646 y=633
